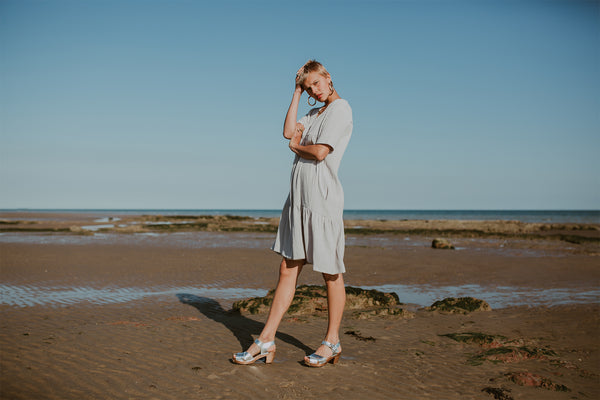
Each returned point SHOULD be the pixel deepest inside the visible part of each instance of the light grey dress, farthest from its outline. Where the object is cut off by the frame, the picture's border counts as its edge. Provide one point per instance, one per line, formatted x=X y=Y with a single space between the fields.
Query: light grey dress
x=312 y=225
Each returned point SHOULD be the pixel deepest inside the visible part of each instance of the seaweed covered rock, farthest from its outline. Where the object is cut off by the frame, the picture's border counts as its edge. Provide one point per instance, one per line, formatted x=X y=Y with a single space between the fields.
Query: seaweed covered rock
x=481 y=339
x=529 y=379
x=511 y=354
x=312 y=299
x=498 y=393
x=500 y=349
x=442 y=244
x=383 y=312
x=461 y=305
x=255 y=305
x=484 y=340
x=357 y=298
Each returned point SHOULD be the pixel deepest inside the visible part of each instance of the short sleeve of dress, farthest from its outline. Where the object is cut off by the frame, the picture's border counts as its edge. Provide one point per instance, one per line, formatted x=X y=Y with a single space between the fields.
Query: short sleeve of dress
x=304 y=120
x=337 y=126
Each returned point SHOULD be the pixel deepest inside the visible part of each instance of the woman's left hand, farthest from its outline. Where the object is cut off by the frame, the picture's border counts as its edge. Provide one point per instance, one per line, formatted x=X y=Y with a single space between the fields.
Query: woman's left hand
x=295 y=140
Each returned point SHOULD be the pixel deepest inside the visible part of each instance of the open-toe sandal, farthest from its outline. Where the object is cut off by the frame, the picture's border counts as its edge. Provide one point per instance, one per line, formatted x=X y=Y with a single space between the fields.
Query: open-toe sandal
x=315 y=360
x=246 y=358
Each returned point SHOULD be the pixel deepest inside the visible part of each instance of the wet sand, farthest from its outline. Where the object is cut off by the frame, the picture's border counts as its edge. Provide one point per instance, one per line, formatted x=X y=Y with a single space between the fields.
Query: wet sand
x=177 y=343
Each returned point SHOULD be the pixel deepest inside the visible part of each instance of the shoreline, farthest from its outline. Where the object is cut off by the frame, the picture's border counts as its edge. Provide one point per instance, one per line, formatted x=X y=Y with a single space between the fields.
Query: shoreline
x=88 y=224
x=524 y=215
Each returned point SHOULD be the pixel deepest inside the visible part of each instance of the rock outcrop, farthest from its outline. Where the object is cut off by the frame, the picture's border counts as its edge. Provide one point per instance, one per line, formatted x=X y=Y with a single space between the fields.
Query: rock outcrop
x=439 y=243
x=312 y=299
x=461 y=305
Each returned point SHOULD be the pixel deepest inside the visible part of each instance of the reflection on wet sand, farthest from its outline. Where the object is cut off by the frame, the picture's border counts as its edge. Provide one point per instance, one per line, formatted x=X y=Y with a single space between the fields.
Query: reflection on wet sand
x=415 y=295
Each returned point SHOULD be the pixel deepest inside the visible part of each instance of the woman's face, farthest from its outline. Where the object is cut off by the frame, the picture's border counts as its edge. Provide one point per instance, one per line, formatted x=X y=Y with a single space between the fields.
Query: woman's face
x=317 y=86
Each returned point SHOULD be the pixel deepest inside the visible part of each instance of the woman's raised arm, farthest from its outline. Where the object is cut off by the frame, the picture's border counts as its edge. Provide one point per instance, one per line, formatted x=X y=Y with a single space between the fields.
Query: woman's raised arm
x=289 y=126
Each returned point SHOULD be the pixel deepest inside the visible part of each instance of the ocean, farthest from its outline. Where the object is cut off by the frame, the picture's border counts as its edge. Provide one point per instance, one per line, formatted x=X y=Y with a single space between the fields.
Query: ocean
x=535 y=216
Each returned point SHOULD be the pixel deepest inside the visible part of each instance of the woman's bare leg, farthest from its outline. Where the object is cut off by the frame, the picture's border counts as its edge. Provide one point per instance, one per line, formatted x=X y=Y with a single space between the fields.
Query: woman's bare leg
x=289 y=270
x=336 y=300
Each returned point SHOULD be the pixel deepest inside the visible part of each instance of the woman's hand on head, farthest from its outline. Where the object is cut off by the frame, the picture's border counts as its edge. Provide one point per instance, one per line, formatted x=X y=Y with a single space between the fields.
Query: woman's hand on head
x=298 y=85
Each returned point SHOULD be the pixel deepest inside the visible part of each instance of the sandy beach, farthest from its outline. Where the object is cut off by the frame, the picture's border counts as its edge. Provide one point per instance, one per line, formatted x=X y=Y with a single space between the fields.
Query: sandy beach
x=141 y=311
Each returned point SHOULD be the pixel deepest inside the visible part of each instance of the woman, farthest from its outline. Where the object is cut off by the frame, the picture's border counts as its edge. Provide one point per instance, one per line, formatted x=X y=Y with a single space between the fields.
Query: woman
x=311 y=230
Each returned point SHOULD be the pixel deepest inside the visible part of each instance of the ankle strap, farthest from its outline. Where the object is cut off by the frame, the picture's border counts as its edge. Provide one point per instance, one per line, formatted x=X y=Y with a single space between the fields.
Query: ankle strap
x=334 y=347
x=264 y=346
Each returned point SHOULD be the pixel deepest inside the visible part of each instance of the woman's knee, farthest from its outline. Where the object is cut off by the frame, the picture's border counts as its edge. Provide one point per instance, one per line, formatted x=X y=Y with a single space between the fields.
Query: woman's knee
x=290 y=268
x=333 y=280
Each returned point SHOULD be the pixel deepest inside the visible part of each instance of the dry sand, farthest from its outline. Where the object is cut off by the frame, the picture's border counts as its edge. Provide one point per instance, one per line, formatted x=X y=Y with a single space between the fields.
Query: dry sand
x=177 y=345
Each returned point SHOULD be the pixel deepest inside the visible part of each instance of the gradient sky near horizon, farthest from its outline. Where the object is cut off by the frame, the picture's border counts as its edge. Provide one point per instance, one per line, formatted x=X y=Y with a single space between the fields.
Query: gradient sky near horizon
x=180 y=104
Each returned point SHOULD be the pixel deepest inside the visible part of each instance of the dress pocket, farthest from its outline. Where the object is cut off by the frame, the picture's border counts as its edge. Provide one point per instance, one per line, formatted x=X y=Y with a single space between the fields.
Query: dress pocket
x=322 y=179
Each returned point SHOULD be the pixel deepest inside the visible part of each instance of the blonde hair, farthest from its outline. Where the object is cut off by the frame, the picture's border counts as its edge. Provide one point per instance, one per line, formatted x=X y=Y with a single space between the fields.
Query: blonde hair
x=310 y=66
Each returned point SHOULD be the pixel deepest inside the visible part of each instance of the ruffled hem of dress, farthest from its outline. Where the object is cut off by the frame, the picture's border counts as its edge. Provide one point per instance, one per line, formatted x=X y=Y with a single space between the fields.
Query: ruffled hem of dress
x=321 y=240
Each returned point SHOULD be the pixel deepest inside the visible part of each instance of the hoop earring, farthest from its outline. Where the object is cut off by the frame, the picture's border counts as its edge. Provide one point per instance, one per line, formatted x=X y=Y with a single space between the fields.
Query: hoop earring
x=330 y=88
x=308 y=101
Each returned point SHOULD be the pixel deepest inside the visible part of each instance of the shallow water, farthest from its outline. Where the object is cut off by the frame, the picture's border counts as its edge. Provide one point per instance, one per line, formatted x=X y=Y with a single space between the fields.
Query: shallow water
x=417 y=295
x=95 y=228
x=107 y=219
x=257 y=240
x=497 y=297
x=178 y=239
x=30 y=295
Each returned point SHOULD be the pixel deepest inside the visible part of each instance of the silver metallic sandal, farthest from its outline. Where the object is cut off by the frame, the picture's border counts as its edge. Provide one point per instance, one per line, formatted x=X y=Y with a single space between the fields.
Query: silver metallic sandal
x=315 y=360
x=246 y=358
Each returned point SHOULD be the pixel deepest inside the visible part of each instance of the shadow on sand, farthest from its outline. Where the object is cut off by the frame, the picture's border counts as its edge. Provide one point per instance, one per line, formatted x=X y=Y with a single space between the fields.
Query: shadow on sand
x=244 y=329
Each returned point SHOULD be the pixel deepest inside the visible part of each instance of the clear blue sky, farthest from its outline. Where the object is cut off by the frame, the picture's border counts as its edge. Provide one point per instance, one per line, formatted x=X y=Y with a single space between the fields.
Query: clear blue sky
x=180 y=104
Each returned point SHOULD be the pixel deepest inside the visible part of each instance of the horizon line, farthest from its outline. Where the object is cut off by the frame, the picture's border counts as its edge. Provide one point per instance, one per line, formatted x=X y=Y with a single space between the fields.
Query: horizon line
x=277 y=209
